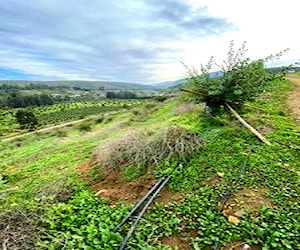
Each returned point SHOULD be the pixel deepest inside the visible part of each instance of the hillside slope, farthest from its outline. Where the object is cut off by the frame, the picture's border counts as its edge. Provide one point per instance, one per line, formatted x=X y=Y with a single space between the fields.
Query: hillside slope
x=233 y=191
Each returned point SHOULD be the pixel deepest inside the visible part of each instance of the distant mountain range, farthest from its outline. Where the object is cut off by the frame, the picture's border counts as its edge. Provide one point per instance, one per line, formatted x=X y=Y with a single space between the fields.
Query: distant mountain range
x=84 y=85
x=169 y=84
x=180 y=82
x=113 y=86
x=98 y=85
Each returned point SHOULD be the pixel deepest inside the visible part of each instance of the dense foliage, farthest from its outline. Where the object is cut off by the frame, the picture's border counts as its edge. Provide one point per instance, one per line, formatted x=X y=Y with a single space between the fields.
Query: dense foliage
x=239 y=79
x=17 y=100
x=26 y=119
x=84 y=223
x=64 y=112
x=121 y=95
x=30 y=86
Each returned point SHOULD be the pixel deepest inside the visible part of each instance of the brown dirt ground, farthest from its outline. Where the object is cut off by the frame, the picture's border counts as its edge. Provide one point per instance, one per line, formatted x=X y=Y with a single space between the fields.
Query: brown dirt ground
x=245 y=200
x=239 y=246
x=294 y=97
x=85 y=167
x=116 y=189
x=176 y=242
x=169 y=196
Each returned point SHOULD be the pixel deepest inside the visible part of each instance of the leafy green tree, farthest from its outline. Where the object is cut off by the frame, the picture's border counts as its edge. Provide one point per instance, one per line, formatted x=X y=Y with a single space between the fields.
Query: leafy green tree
x=2 y=102
x=239 y=80
x=26 y=119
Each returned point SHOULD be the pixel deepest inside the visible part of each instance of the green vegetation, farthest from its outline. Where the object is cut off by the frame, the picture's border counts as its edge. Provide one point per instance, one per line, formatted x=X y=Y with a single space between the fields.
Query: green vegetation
x=63 y=188
x=67 y=85
x=64 y=112
x=240 y=80
x=245 y=163
x=41 y=174
x=26 y=119
x=121 y=95
x=85 y=127
x=18 y=100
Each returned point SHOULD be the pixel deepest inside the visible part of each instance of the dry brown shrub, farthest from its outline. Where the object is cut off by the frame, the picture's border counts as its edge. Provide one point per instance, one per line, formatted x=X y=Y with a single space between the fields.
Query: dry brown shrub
x=20 y=229
x=143 y=148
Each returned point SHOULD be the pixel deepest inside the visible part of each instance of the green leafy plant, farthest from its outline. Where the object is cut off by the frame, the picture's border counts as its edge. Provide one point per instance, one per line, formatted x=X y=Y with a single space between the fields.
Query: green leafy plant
x=84 y=223
x=240 y=79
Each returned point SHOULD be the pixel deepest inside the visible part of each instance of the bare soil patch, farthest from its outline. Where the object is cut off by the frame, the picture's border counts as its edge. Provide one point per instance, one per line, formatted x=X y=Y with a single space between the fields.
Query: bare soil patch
x=169 y=196
x=85 y=167
x=116 y=189
x=176 y=242
x=293 y=78
x=243 y=201
x=294 y=97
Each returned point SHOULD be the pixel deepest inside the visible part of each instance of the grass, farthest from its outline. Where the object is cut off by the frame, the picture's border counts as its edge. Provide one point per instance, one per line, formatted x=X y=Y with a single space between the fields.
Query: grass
x=39 y=159
x=85 y=222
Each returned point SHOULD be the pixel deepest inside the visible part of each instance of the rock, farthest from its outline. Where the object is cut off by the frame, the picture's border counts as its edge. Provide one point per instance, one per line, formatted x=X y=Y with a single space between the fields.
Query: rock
x=220 y=174
x=233 y=219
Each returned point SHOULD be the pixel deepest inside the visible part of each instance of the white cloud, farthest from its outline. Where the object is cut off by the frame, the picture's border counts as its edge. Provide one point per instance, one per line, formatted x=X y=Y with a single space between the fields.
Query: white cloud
x=138 y=41
x=267 y=26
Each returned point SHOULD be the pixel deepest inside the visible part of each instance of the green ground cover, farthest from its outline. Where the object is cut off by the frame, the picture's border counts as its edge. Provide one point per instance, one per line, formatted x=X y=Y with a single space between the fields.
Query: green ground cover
x=37 y=168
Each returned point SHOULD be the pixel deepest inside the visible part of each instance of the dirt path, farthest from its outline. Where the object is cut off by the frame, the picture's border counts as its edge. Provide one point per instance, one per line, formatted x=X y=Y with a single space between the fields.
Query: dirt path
x=294 y=97
x=54 y=127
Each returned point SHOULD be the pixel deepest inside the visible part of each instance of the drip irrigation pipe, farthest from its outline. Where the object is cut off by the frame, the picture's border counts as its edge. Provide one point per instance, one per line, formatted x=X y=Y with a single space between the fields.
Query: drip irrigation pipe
x=138 y=204
x=227 y=195
x=139 y=217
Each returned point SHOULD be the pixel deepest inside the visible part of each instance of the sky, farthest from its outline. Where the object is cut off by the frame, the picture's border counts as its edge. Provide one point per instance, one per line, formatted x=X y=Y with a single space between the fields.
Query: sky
x=142 y=41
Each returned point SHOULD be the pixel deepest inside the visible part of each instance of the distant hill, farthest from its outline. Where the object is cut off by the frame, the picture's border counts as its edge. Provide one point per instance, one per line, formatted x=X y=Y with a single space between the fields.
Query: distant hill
x=84 y=85
x=169 y=84
x=180 y=82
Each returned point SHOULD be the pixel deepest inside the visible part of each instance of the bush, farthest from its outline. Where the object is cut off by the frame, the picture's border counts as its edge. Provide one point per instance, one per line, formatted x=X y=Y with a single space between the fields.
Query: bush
x=239 y=80
x=99 y=120
x=26 y=119
x=85 y=127
x=21 y=228
x=160 y=98
x=143 y=149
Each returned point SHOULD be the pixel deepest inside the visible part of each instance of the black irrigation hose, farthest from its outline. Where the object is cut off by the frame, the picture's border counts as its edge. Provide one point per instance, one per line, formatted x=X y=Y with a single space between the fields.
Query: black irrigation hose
x=138 y=204
x=227 y=195
x=136 y=222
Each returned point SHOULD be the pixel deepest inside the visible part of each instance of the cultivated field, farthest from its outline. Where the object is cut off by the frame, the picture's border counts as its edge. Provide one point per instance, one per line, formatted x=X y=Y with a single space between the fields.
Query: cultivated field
x=63 y=112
